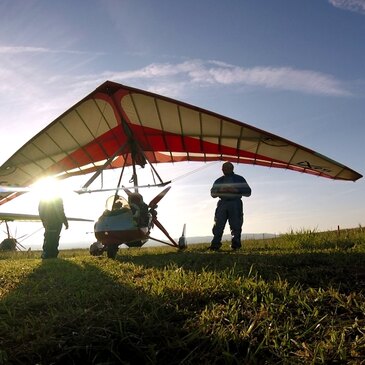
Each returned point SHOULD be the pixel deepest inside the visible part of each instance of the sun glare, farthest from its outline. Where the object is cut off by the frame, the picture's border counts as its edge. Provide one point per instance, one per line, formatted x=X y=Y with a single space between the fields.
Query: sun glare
x=47 y=188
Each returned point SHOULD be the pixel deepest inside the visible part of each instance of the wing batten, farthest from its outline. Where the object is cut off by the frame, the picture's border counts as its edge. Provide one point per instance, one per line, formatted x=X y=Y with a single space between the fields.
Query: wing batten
x=146 y=138
x=62 y=151
x=182 y=133
x=201 y=136
x=80 y=147
x=238 y=143
x=220 y=137
x=292 y=157
x=93 y=136
x=21 y=169
x=103 y=117
x=339 y=174
x=130 y=121
x=257 y=151
x=159 y=117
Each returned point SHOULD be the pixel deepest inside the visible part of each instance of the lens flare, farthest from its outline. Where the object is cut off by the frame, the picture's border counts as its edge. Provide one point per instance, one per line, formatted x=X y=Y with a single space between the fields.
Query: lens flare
x=47 y=188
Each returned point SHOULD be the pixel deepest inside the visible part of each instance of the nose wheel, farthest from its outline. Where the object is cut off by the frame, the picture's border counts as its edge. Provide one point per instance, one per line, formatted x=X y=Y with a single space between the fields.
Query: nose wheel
x=97 y=249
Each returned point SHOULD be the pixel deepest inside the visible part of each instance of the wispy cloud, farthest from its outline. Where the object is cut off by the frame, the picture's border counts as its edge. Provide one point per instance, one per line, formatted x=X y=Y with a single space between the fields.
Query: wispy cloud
x=9 y=50
x=199 y=73
x=351 y=5
x=23 y=82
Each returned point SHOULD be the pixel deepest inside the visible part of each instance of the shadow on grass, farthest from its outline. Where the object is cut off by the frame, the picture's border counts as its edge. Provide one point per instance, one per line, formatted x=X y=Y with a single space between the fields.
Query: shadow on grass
x=68 y=312
x=99 y=311
x=342 y=270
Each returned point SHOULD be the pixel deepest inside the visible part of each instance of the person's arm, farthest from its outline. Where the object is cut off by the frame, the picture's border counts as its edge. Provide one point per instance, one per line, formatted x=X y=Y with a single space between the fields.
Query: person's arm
x=215 y=190
x=243 y=187
x=62 y=213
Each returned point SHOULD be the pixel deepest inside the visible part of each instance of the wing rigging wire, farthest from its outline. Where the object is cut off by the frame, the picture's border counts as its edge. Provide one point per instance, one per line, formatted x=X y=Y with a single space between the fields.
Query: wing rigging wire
x=120 y=178
x=205 y=166
x=102 y=167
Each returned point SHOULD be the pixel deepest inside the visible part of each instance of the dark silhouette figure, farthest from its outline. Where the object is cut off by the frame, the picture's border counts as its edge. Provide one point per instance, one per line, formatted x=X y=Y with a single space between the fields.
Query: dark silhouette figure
x=229 y=189
x=53 y=217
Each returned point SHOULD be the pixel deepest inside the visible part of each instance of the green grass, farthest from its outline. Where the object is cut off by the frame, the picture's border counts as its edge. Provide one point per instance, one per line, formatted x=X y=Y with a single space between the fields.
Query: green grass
x=296 y=299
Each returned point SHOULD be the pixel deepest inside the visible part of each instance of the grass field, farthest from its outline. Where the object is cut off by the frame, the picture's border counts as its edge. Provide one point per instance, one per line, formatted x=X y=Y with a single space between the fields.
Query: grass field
x=296 y=299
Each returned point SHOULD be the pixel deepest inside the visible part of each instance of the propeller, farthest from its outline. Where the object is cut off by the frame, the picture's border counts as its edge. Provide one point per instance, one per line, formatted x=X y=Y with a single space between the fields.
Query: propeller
x=152 y=205
x=11 y=243
x=155 y=200
x=158 y=197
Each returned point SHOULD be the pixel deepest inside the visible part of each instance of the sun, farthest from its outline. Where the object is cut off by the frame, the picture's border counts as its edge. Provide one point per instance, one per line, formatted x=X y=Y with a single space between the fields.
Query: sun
x=47 y=188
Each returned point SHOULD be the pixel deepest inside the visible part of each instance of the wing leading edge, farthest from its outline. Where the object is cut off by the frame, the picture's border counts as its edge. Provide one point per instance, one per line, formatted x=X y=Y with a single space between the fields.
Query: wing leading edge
x=10 y=217
x=102 y=125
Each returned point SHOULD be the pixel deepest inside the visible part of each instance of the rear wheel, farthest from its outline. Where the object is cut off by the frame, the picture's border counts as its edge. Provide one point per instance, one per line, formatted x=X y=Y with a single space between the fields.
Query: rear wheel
x=111 y=250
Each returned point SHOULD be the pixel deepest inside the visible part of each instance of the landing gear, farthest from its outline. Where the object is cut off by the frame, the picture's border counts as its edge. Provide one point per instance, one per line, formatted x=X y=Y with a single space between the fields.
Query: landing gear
x=111 y=250
x=135 y=244
x=97 y=249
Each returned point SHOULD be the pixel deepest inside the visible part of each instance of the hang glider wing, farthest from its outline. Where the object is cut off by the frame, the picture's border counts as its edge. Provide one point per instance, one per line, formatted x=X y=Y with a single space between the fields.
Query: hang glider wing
x=10 y=217
x=118 y=123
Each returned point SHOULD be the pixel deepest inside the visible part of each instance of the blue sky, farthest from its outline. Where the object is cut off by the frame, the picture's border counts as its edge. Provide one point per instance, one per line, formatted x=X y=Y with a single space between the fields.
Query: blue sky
x=292 y=67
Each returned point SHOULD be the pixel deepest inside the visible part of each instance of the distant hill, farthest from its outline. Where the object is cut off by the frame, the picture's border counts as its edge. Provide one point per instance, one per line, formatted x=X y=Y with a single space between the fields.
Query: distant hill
x=226 y=237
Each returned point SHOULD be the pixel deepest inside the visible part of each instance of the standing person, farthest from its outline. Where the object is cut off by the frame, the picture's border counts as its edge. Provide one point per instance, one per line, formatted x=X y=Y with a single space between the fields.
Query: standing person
x=229 y=188
x=52 y=214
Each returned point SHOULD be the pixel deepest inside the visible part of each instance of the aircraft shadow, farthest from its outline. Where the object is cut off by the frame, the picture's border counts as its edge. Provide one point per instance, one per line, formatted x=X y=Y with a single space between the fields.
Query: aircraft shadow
x=64 y=312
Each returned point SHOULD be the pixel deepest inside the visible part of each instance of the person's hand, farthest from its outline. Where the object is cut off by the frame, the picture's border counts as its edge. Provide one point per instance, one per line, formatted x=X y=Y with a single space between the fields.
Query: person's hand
x=228 y=189
x=66 y=225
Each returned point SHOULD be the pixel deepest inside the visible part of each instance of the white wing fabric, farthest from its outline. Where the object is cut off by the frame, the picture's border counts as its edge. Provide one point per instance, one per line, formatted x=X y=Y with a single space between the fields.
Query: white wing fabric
x=116 y=121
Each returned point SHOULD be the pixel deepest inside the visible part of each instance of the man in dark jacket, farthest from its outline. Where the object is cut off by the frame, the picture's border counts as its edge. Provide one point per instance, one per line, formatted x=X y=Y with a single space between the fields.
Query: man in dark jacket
x=229 y=189
x=52 y=214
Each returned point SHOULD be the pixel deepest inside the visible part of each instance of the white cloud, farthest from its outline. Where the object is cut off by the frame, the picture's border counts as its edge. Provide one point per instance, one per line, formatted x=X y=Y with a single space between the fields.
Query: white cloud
x=171 y=77
x=25 y=82
x=352 y=5
x=198 y=73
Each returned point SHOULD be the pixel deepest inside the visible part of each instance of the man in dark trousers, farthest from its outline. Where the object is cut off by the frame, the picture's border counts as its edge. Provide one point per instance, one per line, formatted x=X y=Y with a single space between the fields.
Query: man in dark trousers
x=229 y=189
x=52 y=214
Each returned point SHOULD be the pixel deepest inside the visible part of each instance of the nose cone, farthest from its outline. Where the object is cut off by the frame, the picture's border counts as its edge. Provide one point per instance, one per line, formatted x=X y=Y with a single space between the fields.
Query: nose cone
x=182 y=242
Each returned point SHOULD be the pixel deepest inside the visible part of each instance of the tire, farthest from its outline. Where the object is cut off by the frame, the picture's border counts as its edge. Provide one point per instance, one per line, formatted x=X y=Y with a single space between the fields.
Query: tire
x=111 y=251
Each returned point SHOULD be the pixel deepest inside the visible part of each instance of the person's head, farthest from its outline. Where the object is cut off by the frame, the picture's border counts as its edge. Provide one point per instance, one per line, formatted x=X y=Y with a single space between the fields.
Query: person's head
x=227 y=168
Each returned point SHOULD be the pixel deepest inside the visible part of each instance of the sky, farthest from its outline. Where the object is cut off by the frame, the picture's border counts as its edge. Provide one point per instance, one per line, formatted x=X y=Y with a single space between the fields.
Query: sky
x=294 y=68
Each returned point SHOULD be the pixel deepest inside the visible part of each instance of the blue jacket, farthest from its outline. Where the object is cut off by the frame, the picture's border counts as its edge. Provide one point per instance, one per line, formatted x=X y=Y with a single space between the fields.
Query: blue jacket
x=230 y=187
